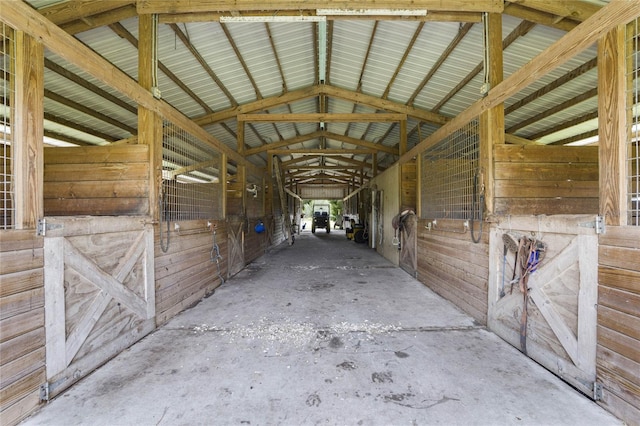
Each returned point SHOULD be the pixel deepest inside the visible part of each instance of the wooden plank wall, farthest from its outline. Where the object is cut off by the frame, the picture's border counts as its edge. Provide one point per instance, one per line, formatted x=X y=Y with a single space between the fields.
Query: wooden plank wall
x=22 y=336
x=618 y=353
x=97 y=180
x=538 y=179
x=450 y=264
x=186 y=272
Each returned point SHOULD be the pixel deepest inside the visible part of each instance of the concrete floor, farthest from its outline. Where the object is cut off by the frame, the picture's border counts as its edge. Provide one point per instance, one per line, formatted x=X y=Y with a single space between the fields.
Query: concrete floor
x=323 y=332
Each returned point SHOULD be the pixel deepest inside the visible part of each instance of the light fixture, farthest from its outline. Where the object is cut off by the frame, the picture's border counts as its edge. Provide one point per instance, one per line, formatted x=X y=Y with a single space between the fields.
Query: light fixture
x=273 y=18
x=371 y=12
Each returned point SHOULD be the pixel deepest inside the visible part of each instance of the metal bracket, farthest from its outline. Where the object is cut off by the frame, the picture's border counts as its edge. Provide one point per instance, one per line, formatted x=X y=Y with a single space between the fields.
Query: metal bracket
x=42 y=227
x=597 y=224
x=44 y=392
x=597 y=391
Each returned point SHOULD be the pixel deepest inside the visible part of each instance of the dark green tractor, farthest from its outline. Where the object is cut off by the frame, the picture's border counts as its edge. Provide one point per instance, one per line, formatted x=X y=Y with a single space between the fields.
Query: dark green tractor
x=321 y=217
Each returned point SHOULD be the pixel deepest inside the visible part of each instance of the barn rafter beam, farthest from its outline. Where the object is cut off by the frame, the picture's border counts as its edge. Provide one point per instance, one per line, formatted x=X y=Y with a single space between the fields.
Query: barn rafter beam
x=88 y=111
x=72 y=10
x=244 y=65
x=566 y=124
x=182 y=6
x=549 y=112
x=576 y=10
x=541 y=18
x=321 y=117
x=51 y=65
x=571 y=75
x=432 y=15
x=521 y=30
x=203 y=63
x=463 y=31
x=121 y=31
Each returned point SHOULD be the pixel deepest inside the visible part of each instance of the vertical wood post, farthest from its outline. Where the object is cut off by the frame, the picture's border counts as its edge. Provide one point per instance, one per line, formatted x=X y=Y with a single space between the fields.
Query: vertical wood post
x=149 y=123
x=28 y=131
x=223 y=185
x=612 y=123
x=491 y=121
x=403 y=137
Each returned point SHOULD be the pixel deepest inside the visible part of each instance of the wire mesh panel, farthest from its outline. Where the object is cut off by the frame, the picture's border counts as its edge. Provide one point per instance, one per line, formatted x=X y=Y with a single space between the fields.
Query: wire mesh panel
x=7 y=85
x=633 y=123
x=191 y=181
x=449 y=176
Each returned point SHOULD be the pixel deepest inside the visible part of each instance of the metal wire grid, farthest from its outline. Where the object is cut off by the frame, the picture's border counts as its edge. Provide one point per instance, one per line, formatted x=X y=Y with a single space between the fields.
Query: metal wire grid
x=449 y=175
x=633 y=122
x=7 y=88
x=191 y=181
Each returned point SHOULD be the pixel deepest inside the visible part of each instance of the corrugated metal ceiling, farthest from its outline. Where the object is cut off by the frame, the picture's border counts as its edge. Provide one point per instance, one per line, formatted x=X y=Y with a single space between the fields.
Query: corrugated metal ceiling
x=246 y=62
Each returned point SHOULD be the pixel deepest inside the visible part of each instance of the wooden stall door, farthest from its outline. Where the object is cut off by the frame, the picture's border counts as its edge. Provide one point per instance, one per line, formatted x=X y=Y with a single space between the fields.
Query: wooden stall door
x=235 y=230
x=99 y=292
x=409 y=247
x=562 y=311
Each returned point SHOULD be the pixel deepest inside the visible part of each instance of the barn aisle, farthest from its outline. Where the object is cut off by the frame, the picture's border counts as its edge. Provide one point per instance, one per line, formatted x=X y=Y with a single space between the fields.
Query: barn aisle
x=322 y=332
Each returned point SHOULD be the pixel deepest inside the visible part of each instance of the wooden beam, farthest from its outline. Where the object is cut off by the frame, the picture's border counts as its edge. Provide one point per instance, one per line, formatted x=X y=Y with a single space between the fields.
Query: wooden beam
x=383 y=104
x=437 y=16
x=120 y=30
x=585 y=34
x=259 y=105
x=576 y=138
x=88 y=111
x=360 y=142
x=293 y=167
x=517 y=140
x=50 y=65
x=100 y=20
x=443 y=57
x=245 y=67
x=194 y=6
x=320 y=152
x=283 y=143
x=203 y=63
x=20 y=16
x=79 y=127
x=565 y=125
x=521 y=30
x=321 y=117
x=576 y=72
x=538 y=17
x=27 y=130
x=577 y=10
x=71 y=10
x=491 y=123
x=549 y=112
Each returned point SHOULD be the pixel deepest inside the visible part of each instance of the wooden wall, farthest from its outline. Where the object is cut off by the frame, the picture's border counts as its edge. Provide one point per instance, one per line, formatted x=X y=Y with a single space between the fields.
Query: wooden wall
x=22 y=335
x=98 y=180
x=618 y=353
x=535 y=179
x=450 y=264
x=186 y=272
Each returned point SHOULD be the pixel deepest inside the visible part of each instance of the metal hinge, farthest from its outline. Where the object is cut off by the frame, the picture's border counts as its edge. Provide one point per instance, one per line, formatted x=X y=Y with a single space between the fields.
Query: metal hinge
x=597 y=224
x=44 y=392
x=42 y=227
x=597 y=391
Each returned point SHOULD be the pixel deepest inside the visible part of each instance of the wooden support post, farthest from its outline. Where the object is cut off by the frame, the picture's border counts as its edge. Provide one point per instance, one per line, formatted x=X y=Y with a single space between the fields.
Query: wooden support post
x=28 y=131
x=223 y=185
x=269 y=179
x=240 y=137
x=492 y=120
x=611 y=122
x=149 y=122
x=241 y=178
x=403 y=137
